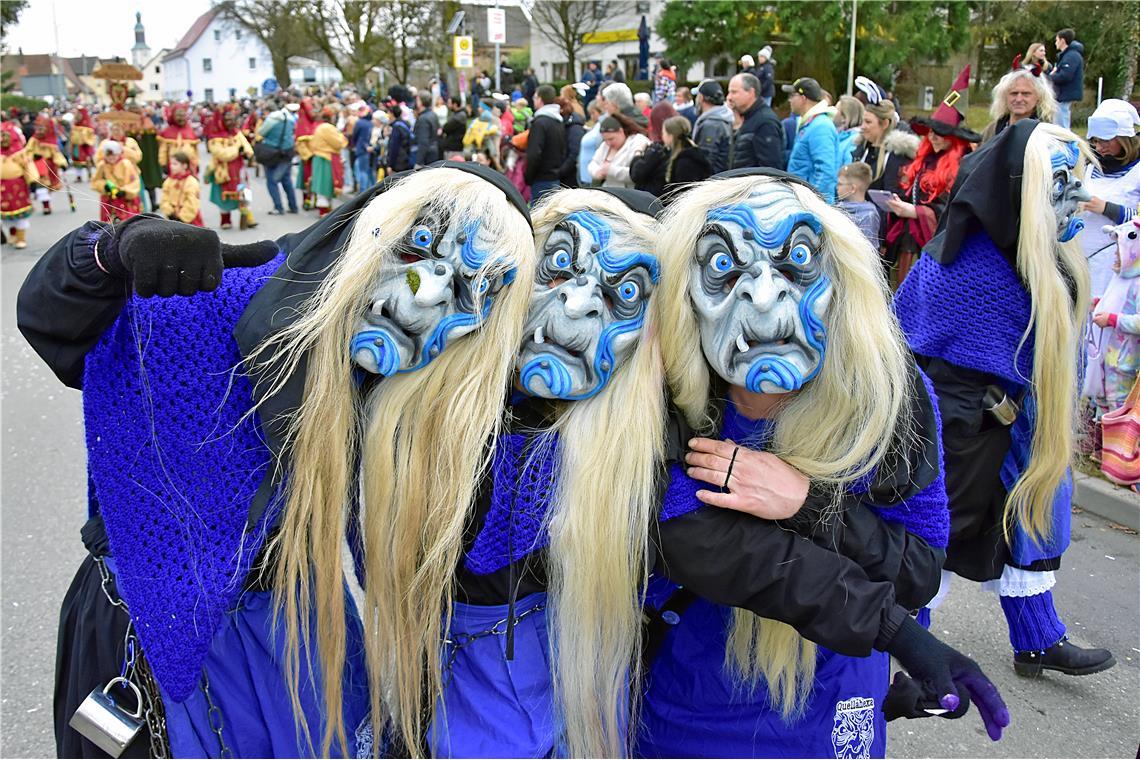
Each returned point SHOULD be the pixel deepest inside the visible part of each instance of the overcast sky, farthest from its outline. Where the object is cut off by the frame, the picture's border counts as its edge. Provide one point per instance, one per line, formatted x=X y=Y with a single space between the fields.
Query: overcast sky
x=101 y=28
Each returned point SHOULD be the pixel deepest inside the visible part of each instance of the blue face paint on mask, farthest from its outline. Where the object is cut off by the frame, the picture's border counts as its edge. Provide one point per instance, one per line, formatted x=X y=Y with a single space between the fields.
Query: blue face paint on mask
x=431 y=297
x=587 y=309
x=760 y=293
x=1067 y=190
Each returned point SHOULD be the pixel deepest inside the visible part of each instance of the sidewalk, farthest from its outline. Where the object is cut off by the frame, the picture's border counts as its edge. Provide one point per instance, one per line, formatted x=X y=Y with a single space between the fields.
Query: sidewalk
x=1115 y=503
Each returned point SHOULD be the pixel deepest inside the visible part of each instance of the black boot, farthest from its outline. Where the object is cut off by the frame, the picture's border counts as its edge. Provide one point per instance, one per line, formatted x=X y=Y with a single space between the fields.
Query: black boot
x=1063 y=657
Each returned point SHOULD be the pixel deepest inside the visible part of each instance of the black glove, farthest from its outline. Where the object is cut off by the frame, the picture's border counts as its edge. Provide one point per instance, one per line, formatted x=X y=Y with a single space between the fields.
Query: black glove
x=946 y=677
x=906 y=699
x=168 y=258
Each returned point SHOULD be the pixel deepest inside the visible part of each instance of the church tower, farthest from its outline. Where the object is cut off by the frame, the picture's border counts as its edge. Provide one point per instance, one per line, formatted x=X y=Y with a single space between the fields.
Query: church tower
x=140 y=53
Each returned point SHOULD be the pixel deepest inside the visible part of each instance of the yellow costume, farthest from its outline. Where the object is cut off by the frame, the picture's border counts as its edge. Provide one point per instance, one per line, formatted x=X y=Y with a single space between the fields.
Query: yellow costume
x=181 y=199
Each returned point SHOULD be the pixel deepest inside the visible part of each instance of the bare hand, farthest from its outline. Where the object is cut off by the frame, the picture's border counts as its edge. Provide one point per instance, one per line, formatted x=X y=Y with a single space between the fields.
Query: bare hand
x=761 y=484
x=1096 y=205
x=901 y=208
x=1100 y=319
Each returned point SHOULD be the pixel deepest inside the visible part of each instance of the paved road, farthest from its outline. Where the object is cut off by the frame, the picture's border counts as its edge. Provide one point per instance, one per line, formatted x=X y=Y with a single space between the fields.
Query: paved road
x=43 y=506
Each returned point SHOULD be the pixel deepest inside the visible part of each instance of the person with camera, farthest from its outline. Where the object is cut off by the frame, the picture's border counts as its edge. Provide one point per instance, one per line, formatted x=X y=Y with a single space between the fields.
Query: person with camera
x=275 y=152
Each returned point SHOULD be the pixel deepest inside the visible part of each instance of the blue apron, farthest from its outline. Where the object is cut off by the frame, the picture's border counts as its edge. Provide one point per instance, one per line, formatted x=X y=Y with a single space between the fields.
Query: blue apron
x=693 y=708
x=492 y=706
x=247 y=684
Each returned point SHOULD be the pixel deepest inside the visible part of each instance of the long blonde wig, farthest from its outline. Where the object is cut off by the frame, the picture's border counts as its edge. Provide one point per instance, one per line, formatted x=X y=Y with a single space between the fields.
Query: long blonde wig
x=611 y=448
x=422 y=441
x=1053 y=273
x=835 y=430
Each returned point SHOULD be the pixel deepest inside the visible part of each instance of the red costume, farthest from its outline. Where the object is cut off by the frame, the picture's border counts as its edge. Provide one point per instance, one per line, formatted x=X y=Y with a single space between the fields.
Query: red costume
x=83 y=139
x=45 y=151
x=178 y=135
x=307 y=122
x=17 y=172
x=229 y=150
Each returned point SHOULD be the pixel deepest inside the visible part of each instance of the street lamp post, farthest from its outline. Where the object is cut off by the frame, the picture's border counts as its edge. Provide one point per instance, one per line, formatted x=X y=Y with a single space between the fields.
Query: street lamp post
x=851 y=54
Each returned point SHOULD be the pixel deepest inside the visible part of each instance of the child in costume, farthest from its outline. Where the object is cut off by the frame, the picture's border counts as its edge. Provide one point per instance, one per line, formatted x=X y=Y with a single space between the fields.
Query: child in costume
x=326 y=178
x=49 y=159
x=787 y=302
x=262 y=443
x=1118 y=322
x=229 y=150
x=17 y=174
x=178 y=135
x=993 y=310
x=83 y=152
x=116 y=179
x=181 y=193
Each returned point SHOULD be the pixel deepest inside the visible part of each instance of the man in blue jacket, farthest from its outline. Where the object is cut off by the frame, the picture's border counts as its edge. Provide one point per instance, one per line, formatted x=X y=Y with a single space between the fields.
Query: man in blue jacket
x=1068 y=75
x=815 y=153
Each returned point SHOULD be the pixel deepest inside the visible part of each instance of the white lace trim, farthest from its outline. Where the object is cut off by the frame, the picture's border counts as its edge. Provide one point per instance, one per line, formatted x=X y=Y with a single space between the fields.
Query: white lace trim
x=364 y=739
x=1017 y=582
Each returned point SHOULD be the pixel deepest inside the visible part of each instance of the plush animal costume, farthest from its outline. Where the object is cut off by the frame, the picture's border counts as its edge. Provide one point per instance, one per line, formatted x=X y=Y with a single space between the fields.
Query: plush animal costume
x=210 y=452
x=993 y=311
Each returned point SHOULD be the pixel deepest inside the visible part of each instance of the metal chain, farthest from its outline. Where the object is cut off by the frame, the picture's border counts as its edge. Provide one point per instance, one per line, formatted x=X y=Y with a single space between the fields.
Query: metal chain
x=214 y=714
x=459 y=641
x=136 y=670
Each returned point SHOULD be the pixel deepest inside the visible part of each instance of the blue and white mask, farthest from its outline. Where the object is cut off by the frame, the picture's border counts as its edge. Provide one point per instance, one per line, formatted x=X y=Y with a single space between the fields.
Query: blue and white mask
x=760 y=293
x=429 y=299
x=587 y=310
x=1067 y=191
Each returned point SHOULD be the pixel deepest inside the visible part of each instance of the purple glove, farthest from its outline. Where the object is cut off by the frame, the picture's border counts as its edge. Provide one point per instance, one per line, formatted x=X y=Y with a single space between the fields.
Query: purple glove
x=947 y=677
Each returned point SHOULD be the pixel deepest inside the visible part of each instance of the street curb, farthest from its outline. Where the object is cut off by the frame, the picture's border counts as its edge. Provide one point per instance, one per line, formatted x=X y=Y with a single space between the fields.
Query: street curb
x=1121 y=505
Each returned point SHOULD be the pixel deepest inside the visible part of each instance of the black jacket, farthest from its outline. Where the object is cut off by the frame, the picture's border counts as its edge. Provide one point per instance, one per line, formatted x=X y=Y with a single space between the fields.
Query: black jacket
x=427 y=138
x=690 y=165
x=545 y=149
x=766 y=74
x=568 y=172
x=453 y=130
x=760 y=140
x=647 y=169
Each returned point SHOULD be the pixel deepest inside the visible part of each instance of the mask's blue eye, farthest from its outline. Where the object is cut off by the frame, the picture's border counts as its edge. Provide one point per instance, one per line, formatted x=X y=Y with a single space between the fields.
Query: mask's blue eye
x=722 y=262
x=421 y=236
x=562 y=259
x=1059 y=188
x=628 y=291
x=482 y=285
x=800 y=254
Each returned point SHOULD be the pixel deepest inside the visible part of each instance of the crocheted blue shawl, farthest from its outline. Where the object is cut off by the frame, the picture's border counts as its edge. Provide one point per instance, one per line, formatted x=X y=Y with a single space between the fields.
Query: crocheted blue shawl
x=973 y=313
x=174 y=460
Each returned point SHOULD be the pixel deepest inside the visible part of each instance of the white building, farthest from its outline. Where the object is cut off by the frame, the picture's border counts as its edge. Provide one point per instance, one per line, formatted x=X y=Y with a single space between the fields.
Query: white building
x=151 y=89
x=215 y=60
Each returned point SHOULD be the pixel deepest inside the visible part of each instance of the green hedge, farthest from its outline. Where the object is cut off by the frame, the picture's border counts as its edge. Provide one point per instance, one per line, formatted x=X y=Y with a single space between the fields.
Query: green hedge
x=32 y=105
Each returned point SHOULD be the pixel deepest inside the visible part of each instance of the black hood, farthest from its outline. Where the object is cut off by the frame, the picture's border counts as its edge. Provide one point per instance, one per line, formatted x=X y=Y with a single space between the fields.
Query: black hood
x=986 y=196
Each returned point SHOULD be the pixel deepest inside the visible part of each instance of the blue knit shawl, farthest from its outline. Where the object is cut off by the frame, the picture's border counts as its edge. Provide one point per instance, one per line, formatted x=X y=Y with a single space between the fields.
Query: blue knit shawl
x=174 y=462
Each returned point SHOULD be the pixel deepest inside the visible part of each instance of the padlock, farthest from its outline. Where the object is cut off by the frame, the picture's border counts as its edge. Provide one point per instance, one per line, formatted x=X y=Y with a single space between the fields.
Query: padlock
x=102 y=721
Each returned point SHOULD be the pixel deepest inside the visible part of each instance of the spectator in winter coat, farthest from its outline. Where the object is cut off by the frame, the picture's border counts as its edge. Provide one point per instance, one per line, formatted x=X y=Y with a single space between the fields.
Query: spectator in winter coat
x=618 y=98
x=760 y=139
x=592 y=78
x=848 y=120
x=546 y=146
x=426 y=131
x=746 y=65
x=884 y=147
x=590 y=142
x=765 y=74
x=399 y=141
x=647 y=170
x=529 y=85
x=712 y=131
x=815 y=154
x=610 y=164
x=454 y=128
x=1020 y=94
x=617 y=71
x=664 y=82
x=685 y=105
x=686 y=162
x=575 y=125
x=1068 y=75
x=360 y=140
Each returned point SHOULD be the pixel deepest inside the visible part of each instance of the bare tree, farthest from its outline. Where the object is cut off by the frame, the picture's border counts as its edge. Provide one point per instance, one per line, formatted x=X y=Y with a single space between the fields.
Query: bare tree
x=278 y=24
x=409 y=24
x=564 y=22
x=350 y=33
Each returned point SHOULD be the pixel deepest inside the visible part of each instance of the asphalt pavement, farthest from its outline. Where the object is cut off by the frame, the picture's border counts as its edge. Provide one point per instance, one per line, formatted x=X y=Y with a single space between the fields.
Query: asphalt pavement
x=43 y=505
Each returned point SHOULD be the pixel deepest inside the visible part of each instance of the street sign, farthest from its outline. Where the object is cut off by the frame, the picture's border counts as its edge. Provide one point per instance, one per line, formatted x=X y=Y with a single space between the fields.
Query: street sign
x=269 y=86
x=463 y=52
x=497 y=26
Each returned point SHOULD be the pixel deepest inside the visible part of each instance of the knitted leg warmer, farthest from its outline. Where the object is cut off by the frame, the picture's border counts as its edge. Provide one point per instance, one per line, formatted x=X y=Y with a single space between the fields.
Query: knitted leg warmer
x=1034 y=625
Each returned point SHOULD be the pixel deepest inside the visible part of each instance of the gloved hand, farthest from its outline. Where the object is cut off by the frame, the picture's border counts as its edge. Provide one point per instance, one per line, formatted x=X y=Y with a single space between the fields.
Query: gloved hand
x=906 y=699
x=946 y=677
x=165 y=258
x=110 y=188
